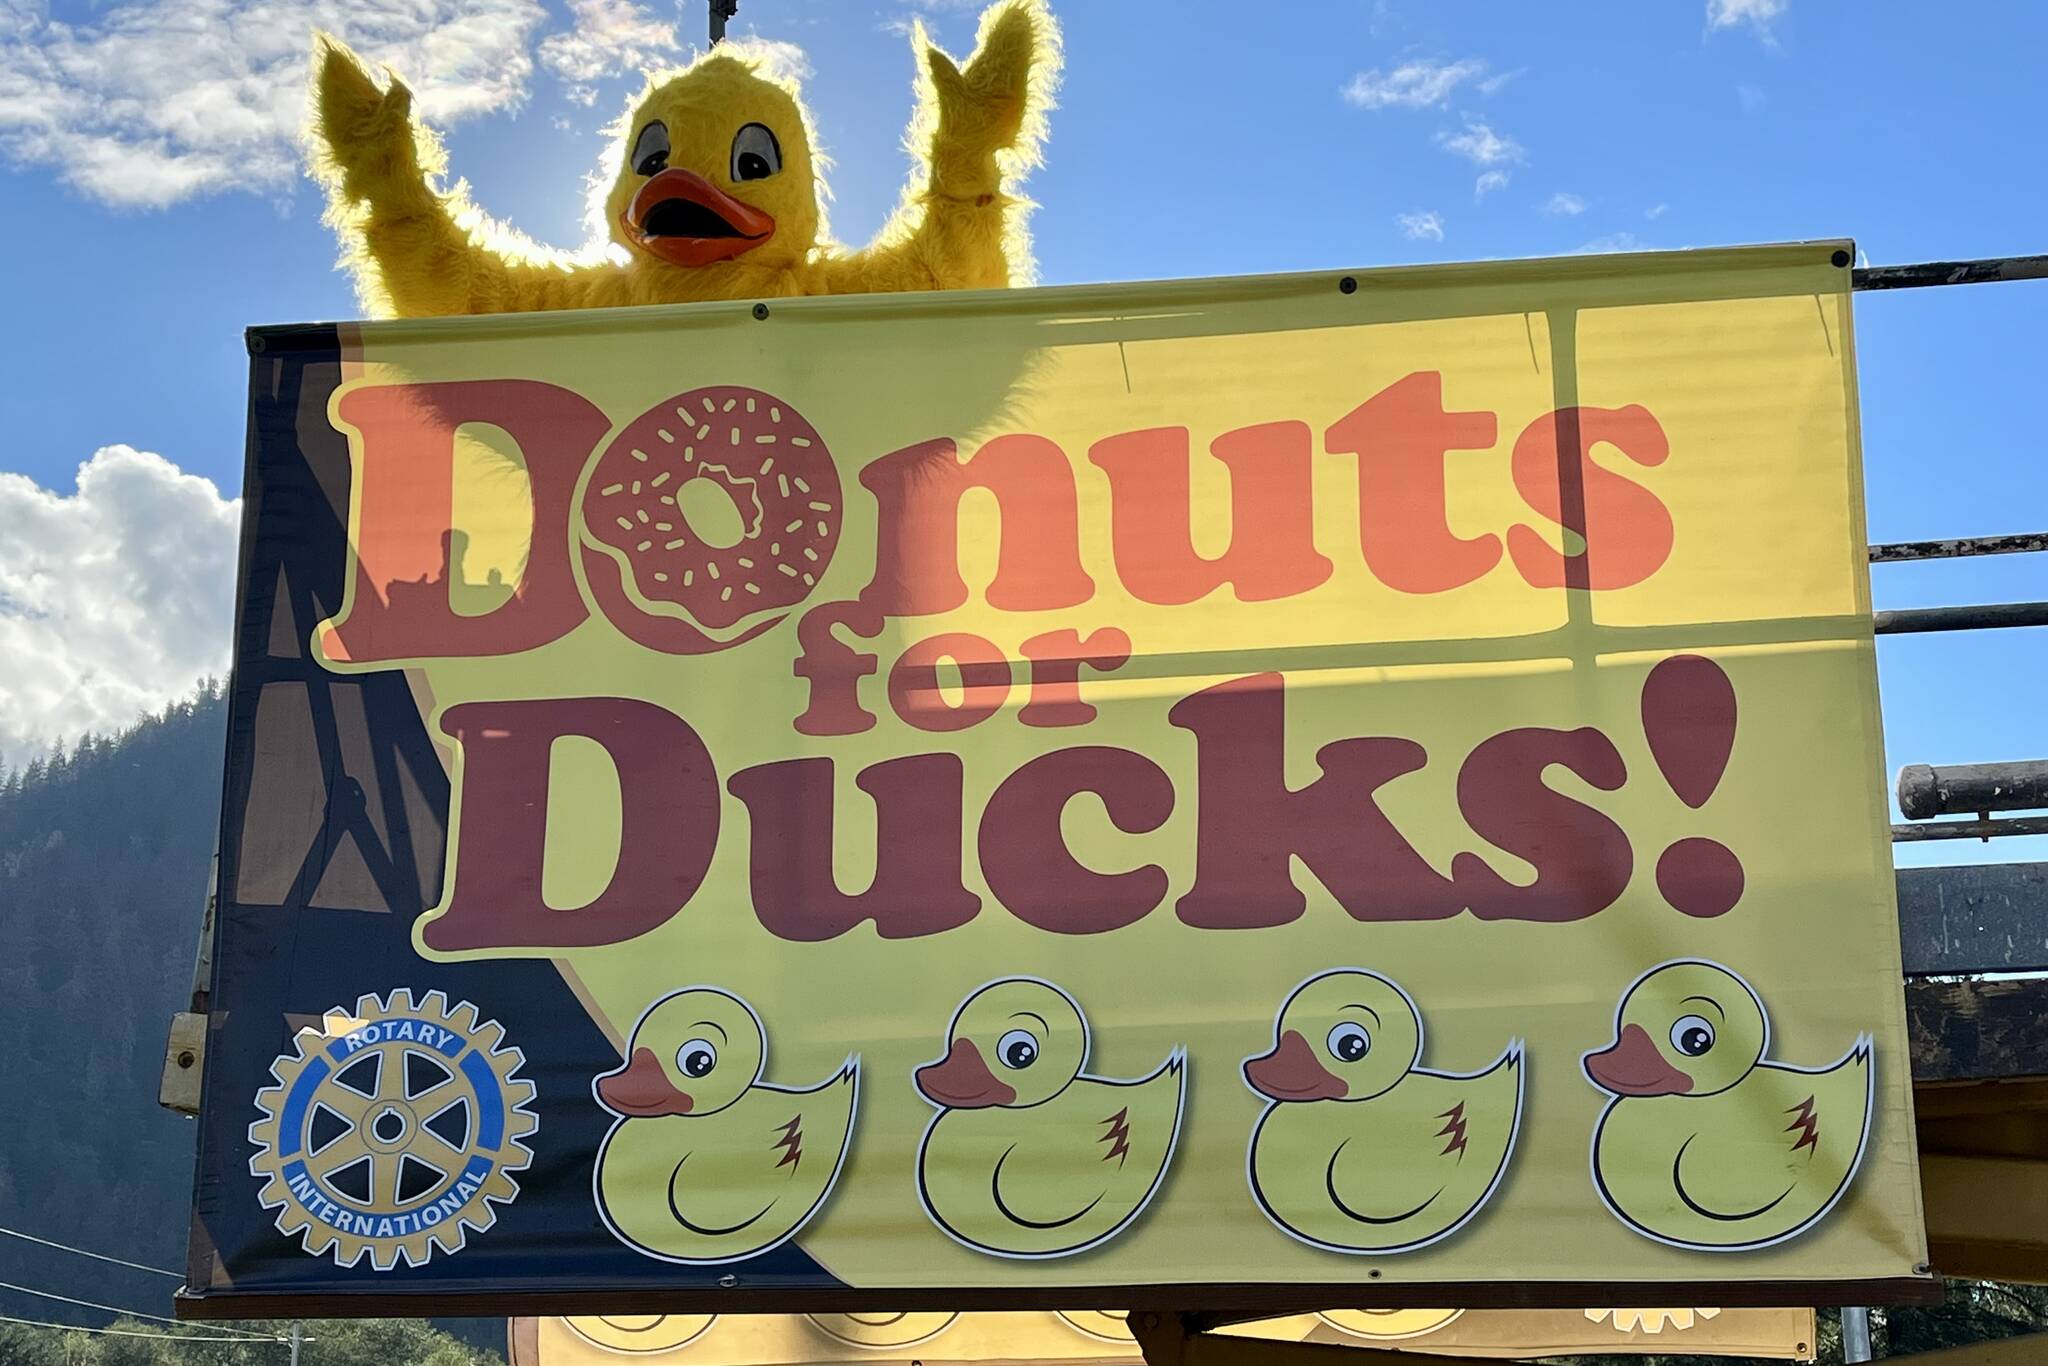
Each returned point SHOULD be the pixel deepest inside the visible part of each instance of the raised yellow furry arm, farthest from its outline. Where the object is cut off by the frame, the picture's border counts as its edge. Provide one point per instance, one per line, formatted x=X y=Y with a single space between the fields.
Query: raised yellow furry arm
x=957 y=227
x=415 y=251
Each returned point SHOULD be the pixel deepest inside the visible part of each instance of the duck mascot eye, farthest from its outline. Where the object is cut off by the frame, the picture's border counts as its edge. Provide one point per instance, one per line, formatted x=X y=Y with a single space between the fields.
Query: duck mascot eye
x=711 y=189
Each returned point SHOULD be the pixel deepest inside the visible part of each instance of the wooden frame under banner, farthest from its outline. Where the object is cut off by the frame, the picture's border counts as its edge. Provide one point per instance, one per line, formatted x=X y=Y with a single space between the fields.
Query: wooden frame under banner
x=1084 y=1338
x=1222 y=797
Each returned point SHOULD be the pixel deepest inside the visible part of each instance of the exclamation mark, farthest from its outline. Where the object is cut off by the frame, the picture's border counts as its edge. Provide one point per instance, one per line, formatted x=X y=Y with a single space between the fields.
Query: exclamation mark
x=1689 y=717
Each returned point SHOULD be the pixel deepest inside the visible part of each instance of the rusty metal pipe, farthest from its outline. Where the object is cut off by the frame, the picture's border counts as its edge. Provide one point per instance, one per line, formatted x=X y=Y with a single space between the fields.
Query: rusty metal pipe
x=1970 y=830
x=1926 y=791
x=1987 y=616
x=1987 y=271
x=1956 y=547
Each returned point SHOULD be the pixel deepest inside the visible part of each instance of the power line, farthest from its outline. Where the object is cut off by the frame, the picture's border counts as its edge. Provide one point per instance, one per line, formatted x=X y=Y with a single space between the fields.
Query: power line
x=120 y=1309
x=129 y=1332
x=96 y=1256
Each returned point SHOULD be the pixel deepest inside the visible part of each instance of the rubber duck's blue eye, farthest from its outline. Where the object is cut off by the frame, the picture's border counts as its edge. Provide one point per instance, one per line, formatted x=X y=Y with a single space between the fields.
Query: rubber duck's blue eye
x=696 y=1058
x=1692 y=1036
x=650 y=149
x=756 y=154
x=1349 y=1042
x=1018 y=1049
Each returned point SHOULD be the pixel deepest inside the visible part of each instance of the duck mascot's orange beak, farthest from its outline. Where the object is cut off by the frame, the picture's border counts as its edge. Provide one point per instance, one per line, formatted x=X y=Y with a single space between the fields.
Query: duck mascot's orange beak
x=687 y=221
x=641 y=1089
x=1291 y=1072
x=962 y=1081
x=1632 y=1066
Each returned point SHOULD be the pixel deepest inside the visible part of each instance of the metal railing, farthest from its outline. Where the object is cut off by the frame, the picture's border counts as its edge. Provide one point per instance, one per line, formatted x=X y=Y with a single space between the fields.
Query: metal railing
x=1924 y=792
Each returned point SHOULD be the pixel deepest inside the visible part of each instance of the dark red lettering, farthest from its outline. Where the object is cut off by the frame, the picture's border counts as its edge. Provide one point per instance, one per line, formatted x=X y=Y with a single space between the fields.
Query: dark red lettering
x=984 y=682
x=1056 y=659
x=835 y=668
x=917 y=529
x=1626 y=529
x=1249 y=821
x=1026 y=860
x=1403 y=437
x=916 y=888
x=1582 y=858
x=668 y=803
x=406 y=551
x=1272 y=551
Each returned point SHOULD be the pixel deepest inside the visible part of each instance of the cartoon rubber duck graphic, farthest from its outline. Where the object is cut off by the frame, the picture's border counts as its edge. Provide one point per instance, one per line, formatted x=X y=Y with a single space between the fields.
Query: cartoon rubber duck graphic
x=707 y=1163
x=1361 y=1149
x=714 y=190
x=1029 y=1156
x=1705 y=1145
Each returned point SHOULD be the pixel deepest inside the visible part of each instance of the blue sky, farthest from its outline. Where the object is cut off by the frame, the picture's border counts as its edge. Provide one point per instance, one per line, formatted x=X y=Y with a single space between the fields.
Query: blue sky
x=152 y=210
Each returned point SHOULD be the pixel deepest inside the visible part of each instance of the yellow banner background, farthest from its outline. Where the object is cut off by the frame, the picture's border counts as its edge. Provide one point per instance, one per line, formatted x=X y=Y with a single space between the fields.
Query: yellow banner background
x=1744 y=359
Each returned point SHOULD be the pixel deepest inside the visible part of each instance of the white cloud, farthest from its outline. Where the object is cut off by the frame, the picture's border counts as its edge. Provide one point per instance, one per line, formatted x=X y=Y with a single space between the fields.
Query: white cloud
x=1564 y=204
x=610 y=38
x=1480 y=144
x=1488 y=182
x=1412 y=85
x=777 y=58
x=1423 y=226
x=1752 y=97
x=1493 y=83
x=1758 y=14
x=1614 y=241
x=160 y=100
x=114 y=599
x=1656 y=211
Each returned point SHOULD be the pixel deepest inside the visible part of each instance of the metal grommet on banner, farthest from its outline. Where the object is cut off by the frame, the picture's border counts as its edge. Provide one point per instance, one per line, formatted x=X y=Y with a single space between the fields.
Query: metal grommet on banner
x=1348 y=285
x=1840 y=258
x=760 y=311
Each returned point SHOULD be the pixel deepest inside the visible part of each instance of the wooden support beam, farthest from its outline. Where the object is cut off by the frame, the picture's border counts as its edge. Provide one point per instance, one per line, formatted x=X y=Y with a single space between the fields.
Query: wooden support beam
x=1978 y=1030
x=1990 y=917
x=1165 y=1340
x=1987 y=1217
x=2031 y=1348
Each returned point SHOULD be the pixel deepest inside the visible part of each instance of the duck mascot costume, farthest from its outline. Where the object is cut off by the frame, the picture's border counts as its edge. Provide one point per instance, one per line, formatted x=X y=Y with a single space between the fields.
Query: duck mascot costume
x=714 y=189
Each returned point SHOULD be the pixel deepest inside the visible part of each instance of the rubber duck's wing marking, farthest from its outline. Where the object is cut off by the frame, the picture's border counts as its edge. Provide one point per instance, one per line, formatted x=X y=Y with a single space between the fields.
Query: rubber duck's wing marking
x=1175 y=1065
x=1805 y=1123
x=790 y=1136
x=1453 y=1132
x=847 y=1076
x=1511 y=1057
x=1117 y=1134
x=1862 y=1053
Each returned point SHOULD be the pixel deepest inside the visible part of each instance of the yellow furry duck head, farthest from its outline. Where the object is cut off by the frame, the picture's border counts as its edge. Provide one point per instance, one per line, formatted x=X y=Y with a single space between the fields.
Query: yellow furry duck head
x=713 y=188
x=714 y=163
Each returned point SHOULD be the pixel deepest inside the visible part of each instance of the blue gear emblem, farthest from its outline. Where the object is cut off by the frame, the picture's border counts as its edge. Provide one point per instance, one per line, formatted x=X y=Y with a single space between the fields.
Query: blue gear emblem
x=392 y=1129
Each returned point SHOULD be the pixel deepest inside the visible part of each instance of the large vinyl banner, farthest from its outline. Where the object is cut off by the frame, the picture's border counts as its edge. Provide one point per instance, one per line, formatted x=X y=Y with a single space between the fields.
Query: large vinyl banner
x=1170 y=793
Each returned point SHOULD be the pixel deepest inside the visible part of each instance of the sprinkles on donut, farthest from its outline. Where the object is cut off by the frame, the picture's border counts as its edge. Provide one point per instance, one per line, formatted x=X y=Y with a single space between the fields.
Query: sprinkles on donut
x=765 y=457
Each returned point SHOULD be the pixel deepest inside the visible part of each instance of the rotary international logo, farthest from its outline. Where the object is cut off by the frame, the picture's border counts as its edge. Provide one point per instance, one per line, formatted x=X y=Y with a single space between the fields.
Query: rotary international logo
x=392 y=1130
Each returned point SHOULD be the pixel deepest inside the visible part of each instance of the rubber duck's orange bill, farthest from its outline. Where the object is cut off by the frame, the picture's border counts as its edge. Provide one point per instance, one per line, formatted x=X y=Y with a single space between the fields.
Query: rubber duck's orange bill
x=641 y=1089
x=685 y=220
x=962 y=1081
x=1292 y=1072
x=1632 y=1066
